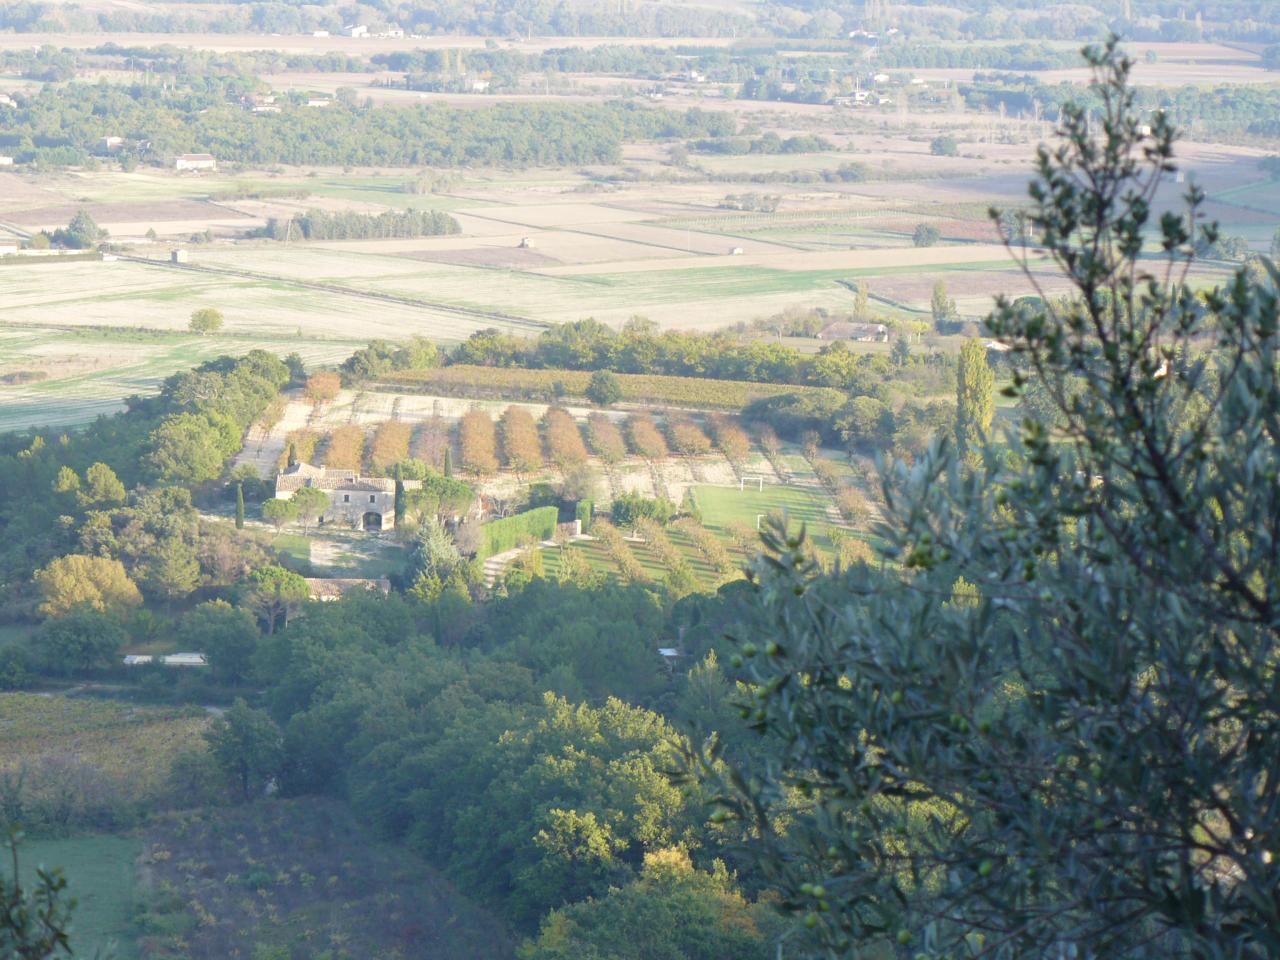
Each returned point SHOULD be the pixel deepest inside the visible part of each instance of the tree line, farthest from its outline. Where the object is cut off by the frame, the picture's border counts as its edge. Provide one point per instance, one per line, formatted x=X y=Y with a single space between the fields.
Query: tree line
x=350 y=225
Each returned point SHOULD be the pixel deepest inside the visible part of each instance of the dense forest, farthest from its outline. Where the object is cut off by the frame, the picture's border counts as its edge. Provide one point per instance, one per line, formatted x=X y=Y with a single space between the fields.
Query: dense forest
x=61 y=126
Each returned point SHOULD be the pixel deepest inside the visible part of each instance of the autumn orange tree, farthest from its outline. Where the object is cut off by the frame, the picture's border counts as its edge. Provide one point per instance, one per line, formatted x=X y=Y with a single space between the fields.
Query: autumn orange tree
x=521 y=448
x=645 y=438
x=322 y=387
x=390 y=445
x=730 y=438
x=564 y=440
x=606 y=438
x=687 y=437
x=345 y=450
x=478 y=440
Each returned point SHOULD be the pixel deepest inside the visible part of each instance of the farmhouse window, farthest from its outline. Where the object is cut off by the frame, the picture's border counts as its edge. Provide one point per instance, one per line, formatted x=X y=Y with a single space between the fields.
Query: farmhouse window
x=346 y=498
x=373 y=498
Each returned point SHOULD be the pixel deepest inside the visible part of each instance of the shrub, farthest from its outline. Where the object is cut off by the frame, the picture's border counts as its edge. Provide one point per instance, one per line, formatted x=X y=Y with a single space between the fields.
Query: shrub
x=944 y=146
x=926 y=235
x=605 y=438
x=479 y=441
x=521 y=448
x=603 y=389
x=632 y=507
x=645 y=438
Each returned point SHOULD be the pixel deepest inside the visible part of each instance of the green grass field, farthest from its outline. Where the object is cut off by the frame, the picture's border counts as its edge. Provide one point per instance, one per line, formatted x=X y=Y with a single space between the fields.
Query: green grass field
x=100 y=873
x=723 y=507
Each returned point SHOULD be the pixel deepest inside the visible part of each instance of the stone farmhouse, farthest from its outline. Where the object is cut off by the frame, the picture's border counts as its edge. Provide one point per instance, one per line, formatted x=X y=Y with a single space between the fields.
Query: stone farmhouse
x=362 y=503
x=863 y=332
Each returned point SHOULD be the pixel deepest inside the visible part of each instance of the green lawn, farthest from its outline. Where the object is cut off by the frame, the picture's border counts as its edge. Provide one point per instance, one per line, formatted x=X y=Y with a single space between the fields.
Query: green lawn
x=100 y=876
x=723 y=506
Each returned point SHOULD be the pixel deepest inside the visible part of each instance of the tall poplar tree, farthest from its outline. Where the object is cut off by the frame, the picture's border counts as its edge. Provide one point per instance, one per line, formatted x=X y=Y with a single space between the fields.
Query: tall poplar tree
x=239 y=506
x=975 y=396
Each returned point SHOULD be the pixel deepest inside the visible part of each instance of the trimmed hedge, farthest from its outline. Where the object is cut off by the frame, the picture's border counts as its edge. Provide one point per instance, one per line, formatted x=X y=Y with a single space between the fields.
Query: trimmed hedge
x=583 y=512
x=511 y=532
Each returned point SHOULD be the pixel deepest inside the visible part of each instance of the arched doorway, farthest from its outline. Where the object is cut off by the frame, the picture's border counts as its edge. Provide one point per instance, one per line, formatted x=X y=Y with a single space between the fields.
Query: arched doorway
x=373 y=521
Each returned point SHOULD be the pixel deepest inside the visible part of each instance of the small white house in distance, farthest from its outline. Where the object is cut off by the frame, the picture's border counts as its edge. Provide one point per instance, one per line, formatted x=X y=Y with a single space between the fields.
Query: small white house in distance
x=6 y=161
x=195 y=161
x=110 y=144
x=185 y=660
x=7 y=101
x=357 y=30
x=318 y=101
x=171 y=660
x=8 y=248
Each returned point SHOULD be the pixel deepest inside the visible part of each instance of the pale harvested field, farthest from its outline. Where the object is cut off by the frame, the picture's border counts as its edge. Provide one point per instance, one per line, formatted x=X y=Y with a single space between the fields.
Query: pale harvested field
x=123 y=218
x=569 y=214
x=689 y=241
x=559 y=245
x=120 y=294
x=795 y=261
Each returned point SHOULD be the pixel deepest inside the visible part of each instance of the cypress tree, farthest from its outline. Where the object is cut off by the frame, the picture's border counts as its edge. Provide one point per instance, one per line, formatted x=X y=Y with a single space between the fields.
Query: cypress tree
x=975 y=395
x=399 y=507
x=239 y=506
x=293 y=454
x=448 y=462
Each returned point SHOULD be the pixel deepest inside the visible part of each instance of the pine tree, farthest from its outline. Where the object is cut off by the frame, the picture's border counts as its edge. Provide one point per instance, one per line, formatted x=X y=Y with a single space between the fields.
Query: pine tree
x=448 y=462
x=975 y=395
x=239 y=506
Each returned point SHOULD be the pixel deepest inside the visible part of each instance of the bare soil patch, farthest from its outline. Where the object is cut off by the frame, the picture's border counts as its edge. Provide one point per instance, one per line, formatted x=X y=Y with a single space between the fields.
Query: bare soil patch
x=194 y=214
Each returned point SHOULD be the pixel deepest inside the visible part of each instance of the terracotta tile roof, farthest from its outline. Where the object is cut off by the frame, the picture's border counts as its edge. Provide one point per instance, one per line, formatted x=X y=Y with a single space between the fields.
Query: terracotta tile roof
x=331 y=588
